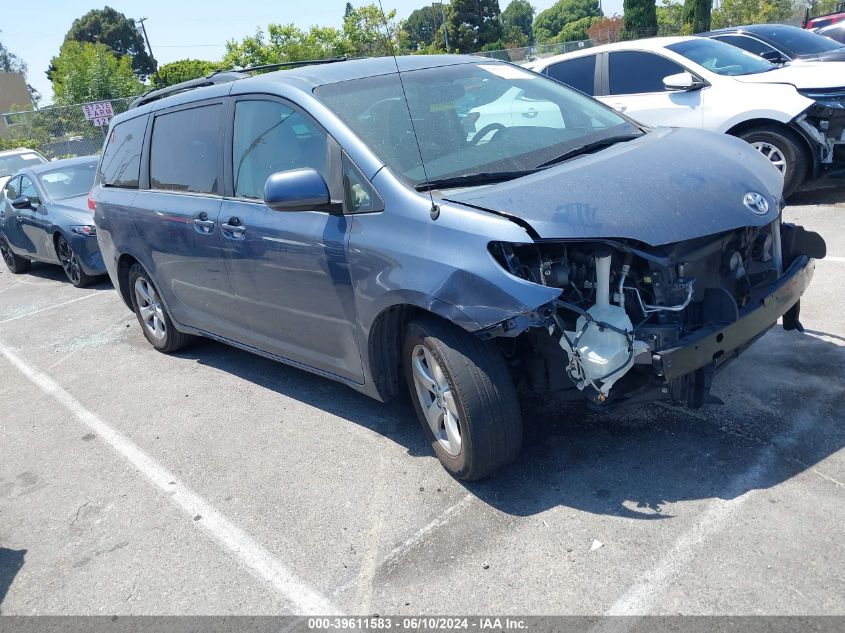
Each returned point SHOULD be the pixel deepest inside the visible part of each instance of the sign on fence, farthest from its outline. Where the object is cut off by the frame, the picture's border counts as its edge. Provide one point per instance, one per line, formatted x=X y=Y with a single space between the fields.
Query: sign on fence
x=99 y=112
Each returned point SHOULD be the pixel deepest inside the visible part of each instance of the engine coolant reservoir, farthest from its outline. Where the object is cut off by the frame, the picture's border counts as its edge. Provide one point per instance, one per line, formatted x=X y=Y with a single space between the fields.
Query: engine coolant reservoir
x=602 y=350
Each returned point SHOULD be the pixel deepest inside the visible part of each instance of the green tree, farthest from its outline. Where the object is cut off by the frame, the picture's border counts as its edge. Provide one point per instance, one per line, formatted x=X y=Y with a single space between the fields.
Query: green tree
x=91 y=72
x=518 y=16
x=639 y=18
x=116 y=31
x=550 y=23
x=369 y=32
x=420 y=27
x=471 y=24
x=697 y=16
x=670 y=17
x=182 y=70
x=283 y=43
x=737 y=12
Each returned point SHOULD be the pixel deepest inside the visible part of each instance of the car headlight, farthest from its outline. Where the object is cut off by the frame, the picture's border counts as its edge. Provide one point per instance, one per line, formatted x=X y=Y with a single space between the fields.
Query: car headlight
x=87 y=230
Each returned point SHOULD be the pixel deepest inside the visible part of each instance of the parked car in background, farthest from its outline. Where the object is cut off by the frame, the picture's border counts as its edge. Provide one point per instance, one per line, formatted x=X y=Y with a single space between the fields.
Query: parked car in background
x=834 y=31
x=44 y=216
x=826 y=19
x=340 y=218
x=794 y=115
x=15 y=159
x=781 y=43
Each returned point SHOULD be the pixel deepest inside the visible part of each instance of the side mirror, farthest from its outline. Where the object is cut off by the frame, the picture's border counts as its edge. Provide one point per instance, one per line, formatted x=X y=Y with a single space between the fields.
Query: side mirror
x=774 y=57
x=297 y=190
x=682 y=81
x=21 y=202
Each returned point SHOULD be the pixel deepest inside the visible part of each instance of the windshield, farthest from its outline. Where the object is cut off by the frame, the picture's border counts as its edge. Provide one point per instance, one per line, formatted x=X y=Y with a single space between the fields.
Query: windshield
x=794 y=41
x=470 y=119
x=70 y=181
x=721 y=58
x=9 y=165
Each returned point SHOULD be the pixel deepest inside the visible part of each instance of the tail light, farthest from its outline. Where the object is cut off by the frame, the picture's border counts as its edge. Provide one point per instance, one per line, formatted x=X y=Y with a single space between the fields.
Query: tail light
x=92 y=206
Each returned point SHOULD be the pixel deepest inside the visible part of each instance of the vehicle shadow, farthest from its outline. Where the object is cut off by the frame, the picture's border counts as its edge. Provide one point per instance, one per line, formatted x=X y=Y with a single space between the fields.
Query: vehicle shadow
x=51 y=272
x=822 y=191
x=11 y=562
x=781 y=406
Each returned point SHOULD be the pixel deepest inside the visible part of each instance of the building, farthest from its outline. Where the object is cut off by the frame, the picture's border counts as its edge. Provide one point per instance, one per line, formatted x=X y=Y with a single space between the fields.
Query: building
x=14 y=94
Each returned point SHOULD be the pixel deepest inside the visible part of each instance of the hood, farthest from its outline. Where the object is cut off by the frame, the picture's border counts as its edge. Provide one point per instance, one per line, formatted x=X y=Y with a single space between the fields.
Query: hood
x=75 y=208
x=669 y=186
x=804 y=75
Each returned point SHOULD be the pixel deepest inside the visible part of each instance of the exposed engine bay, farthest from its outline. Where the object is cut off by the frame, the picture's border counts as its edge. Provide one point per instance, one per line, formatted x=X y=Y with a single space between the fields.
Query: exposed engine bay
x=622 y=304
x=825 y=122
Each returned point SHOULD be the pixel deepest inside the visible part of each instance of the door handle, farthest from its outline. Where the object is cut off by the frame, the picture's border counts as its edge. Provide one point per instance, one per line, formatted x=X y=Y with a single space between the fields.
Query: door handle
x=234 y=226
x=530 y=113
x=205 y=224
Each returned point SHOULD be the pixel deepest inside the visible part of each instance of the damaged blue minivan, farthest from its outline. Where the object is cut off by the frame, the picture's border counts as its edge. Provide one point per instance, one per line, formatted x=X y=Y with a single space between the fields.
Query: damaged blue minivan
x=458 y=227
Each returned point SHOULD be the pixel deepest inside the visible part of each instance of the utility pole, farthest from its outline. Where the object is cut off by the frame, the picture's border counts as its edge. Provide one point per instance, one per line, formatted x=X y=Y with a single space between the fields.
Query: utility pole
x=445 y=30
x=147 y=40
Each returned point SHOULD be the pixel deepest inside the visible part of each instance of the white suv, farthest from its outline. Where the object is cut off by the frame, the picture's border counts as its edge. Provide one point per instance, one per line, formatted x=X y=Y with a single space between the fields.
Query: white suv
x=794 y=115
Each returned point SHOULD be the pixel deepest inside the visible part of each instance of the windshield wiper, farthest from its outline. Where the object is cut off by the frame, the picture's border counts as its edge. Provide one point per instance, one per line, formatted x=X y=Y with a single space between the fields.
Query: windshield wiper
x=589 y=147
x=468 y=180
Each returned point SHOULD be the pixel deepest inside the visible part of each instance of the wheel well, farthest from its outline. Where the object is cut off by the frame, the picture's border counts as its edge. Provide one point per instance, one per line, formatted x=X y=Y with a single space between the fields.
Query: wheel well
x=123 y=265
x=385 y=348
x=56 y=236
x=743 y=127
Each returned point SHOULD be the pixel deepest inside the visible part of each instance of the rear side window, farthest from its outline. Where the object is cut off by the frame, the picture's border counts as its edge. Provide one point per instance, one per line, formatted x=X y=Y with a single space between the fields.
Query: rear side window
x=579 y=73
x=746 y=43
x=634 y=72
x=121 y=162
x=185 y=150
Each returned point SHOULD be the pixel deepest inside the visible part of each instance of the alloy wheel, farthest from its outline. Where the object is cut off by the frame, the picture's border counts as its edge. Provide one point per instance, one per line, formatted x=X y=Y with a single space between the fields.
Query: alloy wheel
x=771 y=152
x=436 y=399
x=150 y=308
x=69 y=262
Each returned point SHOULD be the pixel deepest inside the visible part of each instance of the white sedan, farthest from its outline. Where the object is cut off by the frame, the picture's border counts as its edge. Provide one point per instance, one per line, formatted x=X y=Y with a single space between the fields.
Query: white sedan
x=794 y=115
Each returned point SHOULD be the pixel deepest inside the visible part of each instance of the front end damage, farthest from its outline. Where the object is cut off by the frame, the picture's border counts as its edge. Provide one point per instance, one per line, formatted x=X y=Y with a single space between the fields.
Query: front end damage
x=824 y=124
x=635 y=323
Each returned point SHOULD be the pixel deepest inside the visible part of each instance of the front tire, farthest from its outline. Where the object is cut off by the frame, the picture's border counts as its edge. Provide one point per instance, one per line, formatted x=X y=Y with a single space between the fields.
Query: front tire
x=15 y=264
x=464 y=398
x=156 y=323
x=70 y=264
x=785 y=151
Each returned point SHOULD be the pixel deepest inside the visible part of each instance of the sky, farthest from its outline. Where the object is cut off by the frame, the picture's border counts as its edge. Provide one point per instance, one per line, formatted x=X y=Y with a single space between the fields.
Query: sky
x=187 y=28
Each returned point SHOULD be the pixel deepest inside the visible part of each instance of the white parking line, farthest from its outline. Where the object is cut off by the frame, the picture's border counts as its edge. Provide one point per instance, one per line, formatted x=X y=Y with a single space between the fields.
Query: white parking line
x=640 y=598
x=302 y=598
x=58 y=305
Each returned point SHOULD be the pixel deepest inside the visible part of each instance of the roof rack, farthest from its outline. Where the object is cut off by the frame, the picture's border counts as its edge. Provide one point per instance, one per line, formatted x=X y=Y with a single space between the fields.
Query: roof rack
x=223 y=76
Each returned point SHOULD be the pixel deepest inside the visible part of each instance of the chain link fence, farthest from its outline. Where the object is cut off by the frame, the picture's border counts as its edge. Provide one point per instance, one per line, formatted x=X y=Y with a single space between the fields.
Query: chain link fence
x=60 y=131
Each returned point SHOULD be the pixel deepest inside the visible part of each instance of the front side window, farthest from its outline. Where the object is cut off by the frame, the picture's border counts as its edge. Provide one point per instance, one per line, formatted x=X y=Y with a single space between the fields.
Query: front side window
x=746 y=43
x=29 y=191
x=721 y=58
x=271 y=137
x=120 y=165
x=467 y=119
x=69 y=182
x=635 y=72
x=185 y=150
x=580 y=73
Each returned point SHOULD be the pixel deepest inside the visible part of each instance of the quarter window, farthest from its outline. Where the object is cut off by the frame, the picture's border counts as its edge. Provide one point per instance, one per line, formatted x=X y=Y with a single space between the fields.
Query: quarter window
x=11 y=190
x=185 y=150
x=29 y=190
x=634 y=72
x=579 y=73
x=121 y=162
x=272 y=137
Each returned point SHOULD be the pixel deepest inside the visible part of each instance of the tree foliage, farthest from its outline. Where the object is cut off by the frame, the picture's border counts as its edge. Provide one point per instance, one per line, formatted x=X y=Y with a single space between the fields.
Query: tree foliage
x=737 y=12
x=182 y=70
x=120 y=34
x=518 y=18
x=421 y=27
x=369 y=32
x=550 y=24
x=91 y=72
x=639 y=18
x=670 y=17
x=697 y=16
x=472 y=24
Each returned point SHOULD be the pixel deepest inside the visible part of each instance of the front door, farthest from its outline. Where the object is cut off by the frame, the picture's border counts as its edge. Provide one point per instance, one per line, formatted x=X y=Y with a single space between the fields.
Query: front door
x=13 y=219
x=36 y=225
x=635 y=88
x=289 y=269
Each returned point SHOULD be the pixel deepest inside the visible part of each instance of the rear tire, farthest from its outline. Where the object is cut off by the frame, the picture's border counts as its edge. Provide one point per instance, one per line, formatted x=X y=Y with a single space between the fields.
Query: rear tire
x=156 y=323
x=464 y=398
x=70 y=264
x=16 y=265
x=786 y=152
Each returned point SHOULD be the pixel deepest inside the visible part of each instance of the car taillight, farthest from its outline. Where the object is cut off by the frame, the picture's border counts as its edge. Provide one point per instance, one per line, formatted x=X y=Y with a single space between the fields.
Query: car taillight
x=91 y=204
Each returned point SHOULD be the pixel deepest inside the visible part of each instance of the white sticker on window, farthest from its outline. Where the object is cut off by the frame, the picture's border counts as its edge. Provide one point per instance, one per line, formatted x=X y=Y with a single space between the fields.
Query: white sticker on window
x=506 y=71
x=29 y=156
